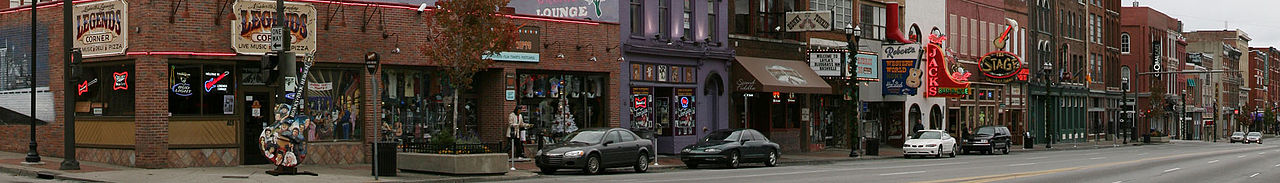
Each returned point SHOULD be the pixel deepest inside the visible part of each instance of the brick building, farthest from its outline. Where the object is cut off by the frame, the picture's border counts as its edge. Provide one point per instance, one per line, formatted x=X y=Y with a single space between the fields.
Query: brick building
x=152 y=118
x=1148 y=34
x=1261 y=59
x=973 y=28
x=1225 y=50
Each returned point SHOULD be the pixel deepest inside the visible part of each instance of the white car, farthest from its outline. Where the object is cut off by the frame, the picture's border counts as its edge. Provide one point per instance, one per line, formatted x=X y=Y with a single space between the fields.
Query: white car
x=930 y=143
x=1253 y=137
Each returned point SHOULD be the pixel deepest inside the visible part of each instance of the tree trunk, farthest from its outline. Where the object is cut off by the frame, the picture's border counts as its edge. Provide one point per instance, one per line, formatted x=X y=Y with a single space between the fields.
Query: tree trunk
x=455 y=112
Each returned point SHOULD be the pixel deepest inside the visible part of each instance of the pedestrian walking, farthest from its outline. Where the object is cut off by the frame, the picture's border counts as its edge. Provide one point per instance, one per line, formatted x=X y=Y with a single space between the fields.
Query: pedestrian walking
x=515 y=133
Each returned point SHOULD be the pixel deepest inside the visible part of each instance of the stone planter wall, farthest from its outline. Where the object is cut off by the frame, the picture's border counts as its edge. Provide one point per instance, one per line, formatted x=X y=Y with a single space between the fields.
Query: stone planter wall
x=490 y=163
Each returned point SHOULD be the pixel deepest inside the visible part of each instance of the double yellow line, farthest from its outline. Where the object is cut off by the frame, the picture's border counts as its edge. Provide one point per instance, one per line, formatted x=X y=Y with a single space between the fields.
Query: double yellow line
x=1000 y=177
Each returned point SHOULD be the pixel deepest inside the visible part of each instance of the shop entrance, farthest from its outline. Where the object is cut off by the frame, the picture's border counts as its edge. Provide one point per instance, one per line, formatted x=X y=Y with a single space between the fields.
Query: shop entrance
x=257 y=111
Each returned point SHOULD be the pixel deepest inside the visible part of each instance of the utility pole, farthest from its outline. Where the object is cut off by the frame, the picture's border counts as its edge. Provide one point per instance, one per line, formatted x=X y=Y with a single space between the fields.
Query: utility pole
x=72 y=57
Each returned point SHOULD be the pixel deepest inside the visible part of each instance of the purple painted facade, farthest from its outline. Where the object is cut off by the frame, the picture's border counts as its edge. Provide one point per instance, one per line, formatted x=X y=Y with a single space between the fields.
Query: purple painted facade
x=701 y=56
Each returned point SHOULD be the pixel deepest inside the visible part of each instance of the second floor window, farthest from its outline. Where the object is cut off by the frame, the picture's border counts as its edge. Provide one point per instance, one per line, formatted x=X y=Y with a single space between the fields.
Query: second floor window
x=711 y=24
x=664 y=19
x=872 y=22
x=741 y=17
x=842 y=8
x=1124 y=43
x=637 y=18
x=688 y=20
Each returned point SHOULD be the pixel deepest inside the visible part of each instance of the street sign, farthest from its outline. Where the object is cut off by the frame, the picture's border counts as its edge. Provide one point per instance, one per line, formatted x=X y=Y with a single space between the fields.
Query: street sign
x=801 y=21
x=277 y=39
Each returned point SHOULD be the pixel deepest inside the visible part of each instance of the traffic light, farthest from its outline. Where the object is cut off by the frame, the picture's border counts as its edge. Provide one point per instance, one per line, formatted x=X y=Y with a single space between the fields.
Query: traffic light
x=268 y=67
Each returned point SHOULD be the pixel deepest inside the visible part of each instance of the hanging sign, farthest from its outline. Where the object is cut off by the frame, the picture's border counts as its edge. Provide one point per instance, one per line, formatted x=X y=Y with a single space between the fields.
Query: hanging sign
x=101 y=28
x=941 y=82
x=901 y=69
x=868 y=66
x=826 y=64
x=1000 y=65
x=251 y=27
x=802 y=21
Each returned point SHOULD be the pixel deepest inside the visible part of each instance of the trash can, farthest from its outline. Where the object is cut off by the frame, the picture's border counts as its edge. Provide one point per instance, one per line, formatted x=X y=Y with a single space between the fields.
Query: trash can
x=1146 y=139
x=1028 y=141
x=385 y=165
x=873 y=146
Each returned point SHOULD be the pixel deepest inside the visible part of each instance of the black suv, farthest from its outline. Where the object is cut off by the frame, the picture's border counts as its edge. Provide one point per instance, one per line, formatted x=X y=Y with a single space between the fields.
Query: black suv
x=988 y=139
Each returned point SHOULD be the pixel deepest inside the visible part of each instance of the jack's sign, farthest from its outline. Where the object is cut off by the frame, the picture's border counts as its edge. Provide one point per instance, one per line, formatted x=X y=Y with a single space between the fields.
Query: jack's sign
x=101 y=28
x=251 y=28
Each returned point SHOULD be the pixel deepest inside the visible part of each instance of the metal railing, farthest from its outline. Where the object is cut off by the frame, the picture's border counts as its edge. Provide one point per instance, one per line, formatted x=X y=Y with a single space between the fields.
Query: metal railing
x=420 y=147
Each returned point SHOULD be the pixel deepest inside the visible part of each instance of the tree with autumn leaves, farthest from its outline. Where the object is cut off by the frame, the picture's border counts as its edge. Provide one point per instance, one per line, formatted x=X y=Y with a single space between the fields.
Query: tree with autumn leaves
x=463 y=36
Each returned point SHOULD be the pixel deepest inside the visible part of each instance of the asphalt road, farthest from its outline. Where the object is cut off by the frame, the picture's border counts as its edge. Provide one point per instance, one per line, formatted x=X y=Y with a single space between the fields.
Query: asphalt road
x=1179 y=162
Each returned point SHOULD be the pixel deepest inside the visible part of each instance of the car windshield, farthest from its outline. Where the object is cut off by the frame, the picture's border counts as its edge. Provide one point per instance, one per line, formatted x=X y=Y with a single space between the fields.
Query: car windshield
x=987 y=131
x=721 y=136
x=588 y=137
x=928 y=135
x=1254 y=134
x=1237 y=134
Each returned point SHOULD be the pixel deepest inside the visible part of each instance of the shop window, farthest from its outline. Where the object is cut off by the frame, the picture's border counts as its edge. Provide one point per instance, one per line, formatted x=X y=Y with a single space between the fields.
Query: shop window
x=333 y=99
x=196 y=89
x=413 y=106
x=106 y=90
x=557 y=104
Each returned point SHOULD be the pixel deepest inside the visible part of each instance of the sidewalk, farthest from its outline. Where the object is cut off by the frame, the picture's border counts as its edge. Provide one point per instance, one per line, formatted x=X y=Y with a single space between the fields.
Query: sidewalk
x=10 y=163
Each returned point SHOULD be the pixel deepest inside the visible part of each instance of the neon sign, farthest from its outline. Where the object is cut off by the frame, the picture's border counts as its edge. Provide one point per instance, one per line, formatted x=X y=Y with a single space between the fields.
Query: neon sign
x=941 y=83
x=209 y=85
x=84 y=86
x=122 y=80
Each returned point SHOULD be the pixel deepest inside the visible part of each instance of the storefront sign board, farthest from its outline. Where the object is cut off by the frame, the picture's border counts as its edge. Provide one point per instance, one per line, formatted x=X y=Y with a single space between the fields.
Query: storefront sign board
x=826 y=64
x=251 y=27
x=901 y=70
x=941 y=81
x=1000 y=65
x=527 y=47
x=598 y=10
x=101 y=28
x=868 y=66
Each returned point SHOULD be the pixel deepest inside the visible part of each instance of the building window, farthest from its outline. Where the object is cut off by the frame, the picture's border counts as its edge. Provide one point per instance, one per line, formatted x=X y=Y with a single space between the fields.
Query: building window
x=741 y=17
x=1124 y=43
x=333 y=97
x=872 y=22
x=637 y=18
x=106 y=90
x=202 y=89
x=842 y=8
x=664 y=19
x=688 y=21
x=711 y=24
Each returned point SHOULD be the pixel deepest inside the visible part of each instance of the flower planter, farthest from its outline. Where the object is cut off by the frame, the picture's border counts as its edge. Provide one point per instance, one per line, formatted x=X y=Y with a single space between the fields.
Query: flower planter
x=487 y=163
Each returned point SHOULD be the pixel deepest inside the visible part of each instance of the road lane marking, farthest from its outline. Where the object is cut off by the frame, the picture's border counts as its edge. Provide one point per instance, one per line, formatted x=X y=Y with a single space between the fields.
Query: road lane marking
x=1142 y=154
x=1277 y=165
x=900 y=173
x=1241 y=156
x=1214 y=161
x=1173 y=169
x=1099 y=158
x=1118 y=181
x=1254 y=175
x=1261 y=153
x=1023 y=164
x=993 y=178
x=793 y=173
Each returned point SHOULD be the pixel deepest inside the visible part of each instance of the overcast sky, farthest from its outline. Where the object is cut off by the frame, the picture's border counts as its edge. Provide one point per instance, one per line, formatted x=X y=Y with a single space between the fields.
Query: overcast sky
x=1259 y=18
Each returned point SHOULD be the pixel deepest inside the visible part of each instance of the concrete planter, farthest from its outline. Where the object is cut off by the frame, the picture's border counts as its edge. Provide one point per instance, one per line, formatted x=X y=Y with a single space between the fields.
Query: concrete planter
x=1164 y=139
x=489 y=163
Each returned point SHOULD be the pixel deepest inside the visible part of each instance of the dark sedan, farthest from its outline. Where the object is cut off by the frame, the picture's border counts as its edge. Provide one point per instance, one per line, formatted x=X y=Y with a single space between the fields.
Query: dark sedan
x=594 y=150
x=731 y=147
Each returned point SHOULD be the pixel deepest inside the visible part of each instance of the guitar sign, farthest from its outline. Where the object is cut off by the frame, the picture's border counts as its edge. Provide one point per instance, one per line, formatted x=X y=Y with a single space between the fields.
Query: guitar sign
x=208 y=85
x=84 y=86
x=122 y=80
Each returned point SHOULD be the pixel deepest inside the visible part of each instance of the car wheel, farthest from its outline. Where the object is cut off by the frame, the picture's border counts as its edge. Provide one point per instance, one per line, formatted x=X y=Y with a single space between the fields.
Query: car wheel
x=953 y=151
x=642 y=165
x=773 y=159
x=691 y=165
x=548 y=171
x=939 y=152
x=593 y=165
x=1006 y=149
x=734 y=159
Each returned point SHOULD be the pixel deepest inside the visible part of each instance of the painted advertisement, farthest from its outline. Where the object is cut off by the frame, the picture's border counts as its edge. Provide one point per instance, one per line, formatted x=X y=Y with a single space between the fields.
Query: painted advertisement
x=101 y=28
x=598 y=10
x=251 y=27
x=901 y=70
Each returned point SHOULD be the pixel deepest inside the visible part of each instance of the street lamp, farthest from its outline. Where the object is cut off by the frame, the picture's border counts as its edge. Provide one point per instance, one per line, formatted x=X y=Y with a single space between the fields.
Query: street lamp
x=33 y=154
x=1046 y=69
x=852 y=34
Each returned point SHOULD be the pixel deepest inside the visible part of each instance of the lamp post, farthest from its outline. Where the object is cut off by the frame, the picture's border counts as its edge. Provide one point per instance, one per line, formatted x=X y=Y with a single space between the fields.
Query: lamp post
x=33 y=155
x=852 y=34
x=1182 y=117
x=1046 y=69
x=371 y=64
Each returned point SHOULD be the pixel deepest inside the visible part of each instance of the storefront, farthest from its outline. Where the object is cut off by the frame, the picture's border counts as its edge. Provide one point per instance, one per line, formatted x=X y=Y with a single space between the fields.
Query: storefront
x=557 y=103
x=779 y=98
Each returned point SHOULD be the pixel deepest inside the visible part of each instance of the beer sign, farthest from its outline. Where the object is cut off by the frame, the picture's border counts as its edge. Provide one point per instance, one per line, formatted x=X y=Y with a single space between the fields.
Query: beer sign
x=101 y=28
x=254 y=19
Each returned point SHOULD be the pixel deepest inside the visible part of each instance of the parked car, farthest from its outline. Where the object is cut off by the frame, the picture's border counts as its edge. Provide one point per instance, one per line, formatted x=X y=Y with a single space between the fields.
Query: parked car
x=732 y=147
x=988 y=139
x=1253 y=137
x=594 y=150
x=930 y=143
x=1237 y=137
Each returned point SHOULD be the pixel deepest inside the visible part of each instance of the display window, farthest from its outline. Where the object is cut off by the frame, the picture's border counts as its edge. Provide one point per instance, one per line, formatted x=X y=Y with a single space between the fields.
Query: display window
x=333 y=100
x=558 y=104
x=202 y=89
x=105 y=90
x=417 y=105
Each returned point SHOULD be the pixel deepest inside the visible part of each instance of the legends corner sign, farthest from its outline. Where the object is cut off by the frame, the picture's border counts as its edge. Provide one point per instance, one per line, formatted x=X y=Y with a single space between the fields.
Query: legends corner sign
x=101 y=28
x=251 y=28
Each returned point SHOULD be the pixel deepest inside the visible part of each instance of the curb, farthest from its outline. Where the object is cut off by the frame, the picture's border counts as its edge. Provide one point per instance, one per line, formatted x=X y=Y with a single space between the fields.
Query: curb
x=477 y=179
x=47 y=175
